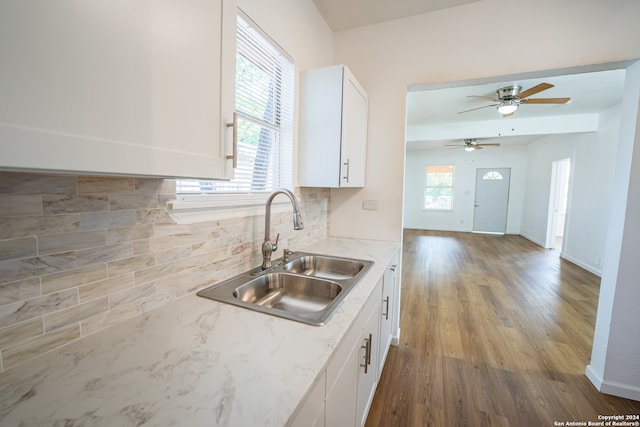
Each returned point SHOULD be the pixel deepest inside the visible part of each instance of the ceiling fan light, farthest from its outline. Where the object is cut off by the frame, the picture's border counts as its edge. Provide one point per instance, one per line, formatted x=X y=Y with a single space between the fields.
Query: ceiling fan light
x=508 y=108
x=469 y=148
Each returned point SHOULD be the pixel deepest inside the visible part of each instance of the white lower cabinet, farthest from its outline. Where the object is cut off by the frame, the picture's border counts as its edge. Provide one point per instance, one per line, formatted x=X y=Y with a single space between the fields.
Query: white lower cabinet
x=388 y=315
x=352 y=373
x=311 y=414
x=368 y=372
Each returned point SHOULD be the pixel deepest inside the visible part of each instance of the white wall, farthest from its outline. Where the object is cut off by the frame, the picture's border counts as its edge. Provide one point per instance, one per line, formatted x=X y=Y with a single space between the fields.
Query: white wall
x=461 y=217
x=299 y=29
x=466 y=43
x=592 y=169
x=615 y=357
x=446 y=45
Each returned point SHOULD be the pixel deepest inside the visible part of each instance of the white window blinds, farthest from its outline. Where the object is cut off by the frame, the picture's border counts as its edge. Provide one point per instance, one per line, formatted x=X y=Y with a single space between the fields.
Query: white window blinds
x=264 y=103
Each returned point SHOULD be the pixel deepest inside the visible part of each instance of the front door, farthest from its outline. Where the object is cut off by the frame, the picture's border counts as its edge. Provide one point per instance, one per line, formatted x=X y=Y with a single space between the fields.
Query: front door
x=492 y=200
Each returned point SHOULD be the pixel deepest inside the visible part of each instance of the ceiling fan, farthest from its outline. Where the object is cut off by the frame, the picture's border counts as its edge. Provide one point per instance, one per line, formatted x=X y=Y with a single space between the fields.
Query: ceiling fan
x=471 y=144
x=511 y=97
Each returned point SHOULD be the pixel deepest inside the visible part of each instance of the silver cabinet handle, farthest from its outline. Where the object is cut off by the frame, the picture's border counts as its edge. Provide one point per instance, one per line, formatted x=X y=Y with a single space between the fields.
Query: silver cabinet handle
x=346 y=177
x=386 y=313
x=234 y=125
x=367 y=353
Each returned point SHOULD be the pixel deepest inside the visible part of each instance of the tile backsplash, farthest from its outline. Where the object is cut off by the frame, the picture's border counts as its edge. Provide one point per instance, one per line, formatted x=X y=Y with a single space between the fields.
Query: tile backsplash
x=80 y=253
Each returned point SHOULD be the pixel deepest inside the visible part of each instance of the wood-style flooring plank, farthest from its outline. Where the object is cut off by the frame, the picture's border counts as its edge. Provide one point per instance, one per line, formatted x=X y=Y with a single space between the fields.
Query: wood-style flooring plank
x=496 y=331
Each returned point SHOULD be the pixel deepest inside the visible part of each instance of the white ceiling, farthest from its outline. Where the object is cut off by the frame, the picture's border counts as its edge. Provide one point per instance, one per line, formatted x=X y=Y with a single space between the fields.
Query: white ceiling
x=433 y=119
x=346 y=14
x=432 y=111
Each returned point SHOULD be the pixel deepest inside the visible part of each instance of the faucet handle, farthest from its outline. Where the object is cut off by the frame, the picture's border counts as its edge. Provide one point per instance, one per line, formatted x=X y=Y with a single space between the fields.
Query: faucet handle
x=275 y=244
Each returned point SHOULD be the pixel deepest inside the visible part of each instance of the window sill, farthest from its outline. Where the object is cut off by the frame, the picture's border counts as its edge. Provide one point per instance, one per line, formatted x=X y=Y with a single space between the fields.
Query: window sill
x=189 y=209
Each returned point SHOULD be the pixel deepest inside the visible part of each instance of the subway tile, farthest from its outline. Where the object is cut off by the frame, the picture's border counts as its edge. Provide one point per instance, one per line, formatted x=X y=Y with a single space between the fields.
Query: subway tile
x=132 y=295
x=153 y=216
x=66 y=242
x=131 y=264
x=73 y=278
x=75 y=314
x=106 y=287
x=19 y=290
x=170 y=255
x=182 y=239
x=133 y=201
x=17 y=269
x=124 y=234
x=104 y=253
x=158 y=299
x=26 y=183
x=53 y=204
x=38 y=346
x=109 y=318
x=107 y=220
x=171 y=229
x=16 y=227
x=18 y=248
x=218 y=255
x=154 y=273
x=152 y=186
x=14 y=205
x=21 y=332
x=153 y=244
x=105 y=185
x=40 y=306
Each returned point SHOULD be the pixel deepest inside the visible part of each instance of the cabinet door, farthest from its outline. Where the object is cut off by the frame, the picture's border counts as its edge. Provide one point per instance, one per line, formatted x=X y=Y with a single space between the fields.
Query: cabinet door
x=311 y=413
x=342 y=385
x=368 y=377
x=387 y=313
x=118 y=86
x=354 y=132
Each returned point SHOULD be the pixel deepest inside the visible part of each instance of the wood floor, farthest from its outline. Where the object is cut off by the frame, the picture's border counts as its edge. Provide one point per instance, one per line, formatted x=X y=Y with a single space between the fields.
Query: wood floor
x=496 y=331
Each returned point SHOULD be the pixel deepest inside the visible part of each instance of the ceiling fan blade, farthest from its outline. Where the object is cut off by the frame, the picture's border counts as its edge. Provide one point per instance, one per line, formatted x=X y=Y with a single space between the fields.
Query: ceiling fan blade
x=483 y=97
x=487 y=145
x=473 y=109
x=546 y=101
x=455 y=145
x=534 y=90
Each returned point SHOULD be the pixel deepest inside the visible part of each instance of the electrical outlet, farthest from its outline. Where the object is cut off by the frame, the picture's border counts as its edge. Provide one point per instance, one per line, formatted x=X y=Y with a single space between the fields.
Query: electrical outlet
x=370 y=205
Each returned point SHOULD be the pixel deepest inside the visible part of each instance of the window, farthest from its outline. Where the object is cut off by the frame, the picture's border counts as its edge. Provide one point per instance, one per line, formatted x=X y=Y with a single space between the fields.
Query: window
x=264 y=103
x=438 y=189
x=491 y=175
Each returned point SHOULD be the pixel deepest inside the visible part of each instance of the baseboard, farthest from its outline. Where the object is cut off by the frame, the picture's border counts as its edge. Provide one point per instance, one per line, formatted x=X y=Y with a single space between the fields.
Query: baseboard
x=593 y=376
x=533 y=239
x=395 y=340
x=587 y=267
x=612 y=387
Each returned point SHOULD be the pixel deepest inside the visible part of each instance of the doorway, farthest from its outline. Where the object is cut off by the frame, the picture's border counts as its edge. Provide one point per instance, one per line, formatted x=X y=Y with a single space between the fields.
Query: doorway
x=492 y=200
x=558 y=201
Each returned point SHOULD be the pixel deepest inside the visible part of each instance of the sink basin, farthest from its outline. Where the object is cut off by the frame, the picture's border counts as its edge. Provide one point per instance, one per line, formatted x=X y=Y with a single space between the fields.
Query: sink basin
x=325 y=267
x=308 y=288
x=288 y=292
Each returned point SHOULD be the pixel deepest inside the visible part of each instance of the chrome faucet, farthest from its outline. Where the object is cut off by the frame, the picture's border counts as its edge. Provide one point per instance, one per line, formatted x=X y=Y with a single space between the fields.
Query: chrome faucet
x=268 y=247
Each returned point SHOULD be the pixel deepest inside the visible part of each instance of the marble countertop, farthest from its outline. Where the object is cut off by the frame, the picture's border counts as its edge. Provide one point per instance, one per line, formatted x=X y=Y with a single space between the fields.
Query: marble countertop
x=193 y=362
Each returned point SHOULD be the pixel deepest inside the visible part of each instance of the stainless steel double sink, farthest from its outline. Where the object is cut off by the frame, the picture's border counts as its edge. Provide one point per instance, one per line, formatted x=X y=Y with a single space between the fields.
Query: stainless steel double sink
x=307 y=288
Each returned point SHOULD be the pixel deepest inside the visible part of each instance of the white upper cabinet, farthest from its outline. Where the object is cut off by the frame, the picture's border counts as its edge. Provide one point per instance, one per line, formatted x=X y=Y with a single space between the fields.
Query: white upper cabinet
x=333 y=129
x=128 y=87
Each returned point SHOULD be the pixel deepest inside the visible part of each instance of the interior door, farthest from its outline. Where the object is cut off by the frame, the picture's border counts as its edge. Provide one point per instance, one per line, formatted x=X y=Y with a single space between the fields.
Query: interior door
x=492 y=200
